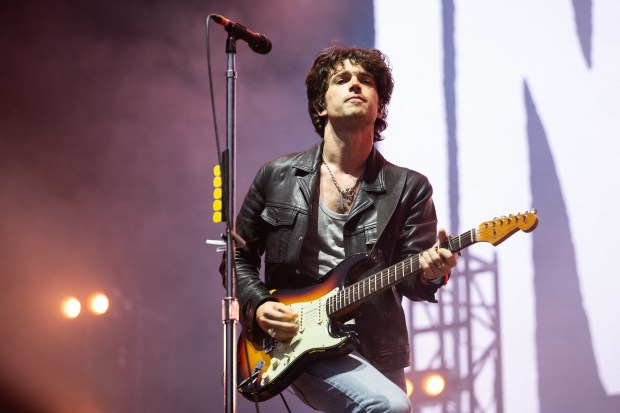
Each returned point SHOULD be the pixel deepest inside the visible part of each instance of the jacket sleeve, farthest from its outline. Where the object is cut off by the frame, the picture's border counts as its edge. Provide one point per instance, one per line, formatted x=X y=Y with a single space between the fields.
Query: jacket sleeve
x=419 y=233
x=251 y=290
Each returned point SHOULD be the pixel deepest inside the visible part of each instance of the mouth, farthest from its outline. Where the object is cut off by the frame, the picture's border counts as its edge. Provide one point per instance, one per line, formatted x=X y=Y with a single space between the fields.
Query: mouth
x=356 y=97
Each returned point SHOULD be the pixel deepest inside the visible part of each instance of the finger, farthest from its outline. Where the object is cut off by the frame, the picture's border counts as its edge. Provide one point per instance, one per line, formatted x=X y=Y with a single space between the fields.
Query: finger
x=435 y=258
x=442 y=235
x=281 y=317
x=426 y=260
x=281 y=330
x=278 y=311
x=280 y=335
x=448 y=257
x=289 y=328
x=285 y=328
x=428 y=264
x=443 y=245
x=285 y=310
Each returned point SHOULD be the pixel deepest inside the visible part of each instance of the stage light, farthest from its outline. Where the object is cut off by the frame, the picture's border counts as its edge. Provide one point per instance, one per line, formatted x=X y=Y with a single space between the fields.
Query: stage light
x=410 y=387
x=433 y=384
x=98 y=303
x=70 y=307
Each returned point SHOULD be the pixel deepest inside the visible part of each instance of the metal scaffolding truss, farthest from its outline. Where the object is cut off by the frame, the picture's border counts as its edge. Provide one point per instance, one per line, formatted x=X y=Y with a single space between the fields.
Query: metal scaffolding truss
x=460 y=338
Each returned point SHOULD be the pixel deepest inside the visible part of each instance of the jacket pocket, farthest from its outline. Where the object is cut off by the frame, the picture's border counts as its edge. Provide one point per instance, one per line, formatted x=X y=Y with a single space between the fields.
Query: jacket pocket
x=370 y=233
x=280 y=220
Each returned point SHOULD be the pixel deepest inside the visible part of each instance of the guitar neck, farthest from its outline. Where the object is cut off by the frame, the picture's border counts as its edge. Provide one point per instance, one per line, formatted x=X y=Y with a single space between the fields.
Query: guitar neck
x=493 y=232
x=351 y=296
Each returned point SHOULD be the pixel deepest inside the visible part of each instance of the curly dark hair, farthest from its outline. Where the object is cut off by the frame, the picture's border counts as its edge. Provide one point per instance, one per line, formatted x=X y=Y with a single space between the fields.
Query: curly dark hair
x=330 y=59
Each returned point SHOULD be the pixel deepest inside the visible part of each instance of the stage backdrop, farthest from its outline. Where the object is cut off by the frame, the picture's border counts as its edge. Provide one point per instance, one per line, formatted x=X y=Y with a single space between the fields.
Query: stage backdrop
x=107 y=148
x=512 y=106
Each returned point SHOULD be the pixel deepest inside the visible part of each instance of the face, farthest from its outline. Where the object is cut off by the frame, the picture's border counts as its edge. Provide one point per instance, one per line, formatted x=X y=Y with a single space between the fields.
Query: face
x=351 y=94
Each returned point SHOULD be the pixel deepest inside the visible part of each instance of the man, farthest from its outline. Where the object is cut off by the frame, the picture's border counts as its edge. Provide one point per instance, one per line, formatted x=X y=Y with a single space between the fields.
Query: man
x=308 y=211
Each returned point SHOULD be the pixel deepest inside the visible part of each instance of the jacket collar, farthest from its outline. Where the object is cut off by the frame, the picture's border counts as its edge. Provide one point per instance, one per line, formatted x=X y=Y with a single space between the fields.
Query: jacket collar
x=374 y=176
x=310 y=160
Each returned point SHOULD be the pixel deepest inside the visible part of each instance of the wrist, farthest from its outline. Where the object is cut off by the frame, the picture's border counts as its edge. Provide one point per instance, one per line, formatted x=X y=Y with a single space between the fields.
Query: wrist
x=433 y=281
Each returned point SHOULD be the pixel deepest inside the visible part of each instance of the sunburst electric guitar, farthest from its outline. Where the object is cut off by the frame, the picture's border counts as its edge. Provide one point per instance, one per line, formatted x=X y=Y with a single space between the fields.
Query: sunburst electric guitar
x=265 y=370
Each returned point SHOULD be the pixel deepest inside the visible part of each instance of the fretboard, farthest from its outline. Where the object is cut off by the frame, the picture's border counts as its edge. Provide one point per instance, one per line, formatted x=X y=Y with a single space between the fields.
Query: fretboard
x=354 y=294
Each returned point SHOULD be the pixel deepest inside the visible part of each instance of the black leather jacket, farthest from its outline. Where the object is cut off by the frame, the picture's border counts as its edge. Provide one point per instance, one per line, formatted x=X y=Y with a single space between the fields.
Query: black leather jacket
x=273 y=221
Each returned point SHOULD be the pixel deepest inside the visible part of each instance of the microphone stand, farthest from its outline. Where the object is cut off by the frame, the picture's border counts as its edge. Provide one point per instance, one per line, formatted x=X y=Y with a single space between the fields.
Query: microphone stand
x=230 y=305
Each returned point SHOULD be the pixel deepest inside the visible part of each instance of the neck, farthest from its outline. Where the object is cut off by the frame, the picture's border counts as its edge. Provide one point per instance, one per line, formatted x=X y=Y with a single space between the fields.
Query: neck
x=349 y=149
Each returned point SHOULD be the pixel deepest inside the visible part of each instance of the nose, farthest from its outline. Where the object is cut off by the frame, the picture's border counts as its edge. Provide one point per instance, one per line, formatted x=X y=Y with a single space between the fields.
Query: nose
x=355 y=84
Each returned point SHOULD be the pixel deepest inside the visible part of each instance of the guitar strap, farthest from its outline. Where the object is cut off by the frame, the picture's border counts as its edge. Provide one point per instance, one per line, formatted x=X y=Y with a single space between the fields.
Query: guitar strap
x=386 y=208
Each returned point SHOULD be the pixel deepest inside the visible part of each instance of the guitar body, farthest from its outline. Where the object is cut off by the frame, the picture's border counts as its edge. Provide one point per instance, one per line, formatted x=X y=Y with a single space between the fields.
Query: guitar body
x=265 y=370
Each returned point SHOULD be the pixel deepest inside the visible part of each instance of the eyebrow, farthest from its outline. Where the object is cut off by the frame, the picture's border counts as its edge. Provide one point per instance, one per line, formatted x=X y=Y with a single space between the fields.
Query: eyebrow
x=361 y=72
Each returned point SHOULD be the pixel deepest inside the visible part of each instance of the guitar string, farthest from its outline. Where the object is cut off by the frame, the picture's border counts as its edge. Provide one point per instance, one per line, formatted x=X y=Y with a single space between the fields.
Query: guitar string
x=384 y=275
x=339 y=300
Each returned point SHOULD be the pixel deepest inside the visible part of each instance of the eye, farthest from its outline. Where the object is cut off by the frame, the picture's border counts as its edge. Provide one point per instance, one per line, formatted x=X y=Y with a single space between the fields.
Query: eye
x=367 y=81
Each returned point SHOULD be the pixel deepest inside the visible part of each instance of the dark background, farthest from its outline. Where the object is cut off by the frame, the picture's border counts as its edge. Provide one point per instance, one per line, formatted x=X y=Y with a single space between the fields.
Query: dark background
x=106 y=156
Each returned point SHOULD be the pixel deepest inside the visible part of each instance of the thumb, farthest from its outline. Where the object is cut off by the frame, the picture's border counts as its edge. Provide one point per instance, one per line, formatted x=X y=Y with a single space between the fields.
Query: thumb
x=442 y=235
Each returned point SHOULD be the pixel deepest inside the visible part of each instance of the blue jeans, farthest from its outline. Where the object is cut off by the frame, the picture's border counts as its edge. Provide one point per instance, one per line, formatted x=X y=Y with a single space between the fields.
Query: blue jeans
x=351 y=384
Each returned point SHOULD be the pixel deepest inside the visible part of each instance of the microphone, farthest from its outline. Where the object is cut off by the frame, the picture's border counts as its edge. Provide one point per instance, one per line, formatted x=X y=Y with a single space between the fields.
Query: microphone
x=257 y=42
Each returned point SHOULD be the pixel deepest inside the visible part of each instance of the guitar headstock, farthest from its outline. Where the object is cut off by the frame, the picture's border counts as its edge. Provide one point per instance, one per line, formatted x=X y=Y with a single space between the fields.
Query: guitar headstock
x=499 y=229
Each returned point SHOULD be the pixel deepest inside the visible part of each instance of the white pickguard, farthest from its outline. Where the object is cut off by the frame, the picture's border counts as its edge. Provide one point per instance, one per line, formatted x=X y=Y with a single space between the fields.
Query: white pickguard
x=313 y=335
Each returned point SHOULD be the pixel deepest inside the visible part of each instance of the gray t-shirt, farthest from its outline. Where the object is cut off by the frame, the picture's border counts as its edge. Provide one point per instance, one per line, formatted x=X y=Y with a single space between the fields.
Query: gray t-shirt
x=323 y=246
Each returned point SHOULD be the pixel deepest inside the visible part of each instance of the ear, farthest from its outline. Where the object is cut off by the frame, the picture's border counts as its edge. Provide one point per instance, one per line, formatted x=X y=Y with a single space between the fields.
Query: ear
x=320 y=108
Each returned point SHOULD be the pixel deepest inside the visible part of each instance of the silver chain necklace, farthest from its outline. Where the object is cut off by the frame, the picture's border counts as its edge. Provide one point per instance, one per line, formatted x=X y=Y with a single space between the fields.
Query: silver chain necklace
x=347 y=195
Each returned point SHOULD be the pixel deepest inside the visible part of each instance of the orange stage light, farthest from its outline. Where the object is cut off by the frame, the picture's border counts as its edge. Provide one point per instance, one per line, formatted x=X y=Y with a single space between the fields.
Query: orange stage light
x=433 y=384
x=98 y=303
x=70 y=307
